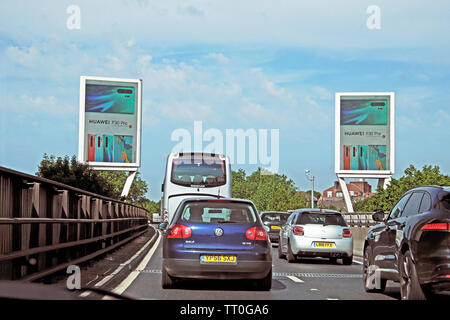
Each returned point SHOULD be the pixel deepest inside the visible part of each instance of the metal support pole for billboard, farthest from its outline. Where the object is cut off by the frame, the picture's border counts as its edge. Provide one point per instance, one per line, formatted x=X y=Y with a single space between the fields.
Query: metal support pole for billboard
x=347 y=199
x=127 y=186
x=384 y=182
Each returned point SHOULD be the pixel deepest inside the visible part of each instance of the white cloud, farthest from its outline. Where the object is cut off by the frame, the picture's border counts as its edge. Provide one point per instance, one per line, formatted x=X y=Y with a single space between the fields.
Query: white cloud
x=219 y=57
x=25 y=56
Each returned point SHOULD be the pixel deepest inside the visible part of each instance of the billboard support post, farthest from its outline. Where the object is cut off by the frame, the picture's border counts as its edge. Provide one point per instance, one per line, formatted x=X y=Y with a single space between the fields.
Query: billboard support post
x=128 y=183
x=364 y=138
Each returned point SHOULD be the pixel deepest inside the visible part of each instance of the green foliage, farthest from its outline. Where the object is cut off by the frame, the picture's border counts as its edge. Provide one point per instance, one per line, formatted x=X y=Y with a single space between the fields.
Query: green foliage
x=79 y=175
x=267 y=191
x=385 y=199
x=152 y=206
x=74 y=174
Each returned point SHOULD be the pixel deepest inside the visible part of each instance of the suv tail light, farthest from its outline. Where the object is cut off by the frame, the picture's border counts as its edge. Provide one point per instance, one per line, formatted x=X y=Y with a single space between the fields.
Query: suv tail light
x=436 y=226
x=346 y=233
x=179 y=231
x=256 y=233
x=298 y=231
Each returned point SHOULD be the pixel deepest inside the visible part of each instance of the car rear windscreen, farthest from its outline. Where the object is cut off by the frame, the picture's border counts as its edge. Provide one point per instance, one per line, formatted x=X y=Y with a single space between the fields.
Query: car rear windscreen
x=275 y=217
x=218 y=212
x=193 y=170
x=321 y=218
x=446 y=201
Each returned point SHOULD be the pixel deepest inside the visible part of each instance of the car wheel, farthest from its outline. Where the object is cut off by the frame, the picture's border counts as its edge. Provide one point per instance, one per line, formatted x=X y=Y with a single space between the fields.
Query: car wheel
x=333 y=260
x=409 y=282
x=167 y=281
x=265 y=284
x=290 y=255
x=280 y=252
x=367 y=262
x=347 y=260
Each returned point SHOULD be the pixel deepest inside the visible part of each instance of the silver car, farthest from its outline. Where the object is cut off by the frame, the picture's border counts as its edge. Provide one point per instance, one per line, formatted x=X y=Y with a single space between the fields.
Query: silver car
x=316 y=233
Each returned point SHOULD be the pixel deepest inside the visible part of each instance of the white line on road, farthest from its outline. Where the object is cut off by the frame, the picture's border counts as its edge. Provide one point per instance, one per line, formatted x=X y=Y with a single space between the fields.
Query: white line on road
x=128 y=280
x=358 y=262
x=122 y=265
x=294 y=278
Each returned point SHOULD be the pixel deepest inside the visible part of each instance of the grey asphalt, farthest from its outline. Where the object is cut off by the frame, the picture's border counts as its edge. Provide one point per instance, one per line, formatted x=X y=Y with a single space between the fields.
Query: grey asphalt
x=307 y=279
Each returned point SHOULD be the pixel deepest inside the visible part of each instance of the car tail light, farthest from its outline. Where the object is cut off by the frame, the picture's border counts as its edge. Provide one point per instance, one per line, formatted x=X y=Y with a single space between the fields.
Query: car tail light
x=445 y=276
x=298 y=231
x=436 y=226
x=346 y=233
x=179 y=231
x=256 y=233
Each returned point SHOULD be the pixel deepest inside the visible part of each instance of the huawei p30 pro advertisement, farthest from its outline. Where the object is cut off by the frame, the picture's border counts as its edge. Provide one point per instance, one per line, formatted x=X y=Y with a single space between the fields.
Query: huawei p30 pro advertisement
x=365 y=132
x=111 y=121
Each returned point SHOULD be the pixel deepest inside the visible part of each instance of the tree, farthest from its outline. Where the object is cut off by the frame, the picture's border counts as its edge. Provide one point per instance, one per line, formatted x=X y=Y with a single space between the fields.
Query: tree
x=80 y=175
x=267 y=191
x=385 y=199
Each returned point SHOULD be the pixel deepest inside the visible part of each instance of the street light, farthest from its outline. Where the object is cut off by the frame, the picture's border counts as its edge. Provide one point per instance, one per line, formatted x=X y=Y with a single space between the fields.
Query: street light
x=307 y=172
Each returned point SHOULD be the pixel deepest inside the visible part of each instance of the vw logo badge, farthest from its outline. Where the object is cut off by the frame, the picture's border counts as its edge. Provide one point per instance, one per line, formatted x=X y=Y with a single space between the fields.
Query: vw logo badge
x=218 y=232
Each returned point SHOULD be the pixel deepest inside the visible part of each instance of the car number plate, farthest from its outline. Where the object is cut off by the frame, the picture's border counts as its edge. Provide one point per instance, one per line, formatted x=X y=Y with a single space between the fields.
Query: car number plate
x=218 y=259
x=324 y=244
x=276 y=227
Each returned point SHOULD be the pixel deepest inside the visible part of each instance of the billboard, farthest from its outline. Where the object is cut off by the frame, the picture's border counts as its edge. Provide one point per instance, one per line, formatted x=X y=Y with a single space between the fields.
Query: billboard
x=110 y=123
x=364 y=133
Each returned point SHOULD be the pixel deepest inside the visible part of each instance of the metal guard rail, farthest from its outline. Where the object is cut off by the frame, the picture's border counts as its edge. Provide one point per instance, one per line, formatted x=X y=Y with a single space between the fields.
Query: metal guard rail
x=360 y=219
x=46 y=226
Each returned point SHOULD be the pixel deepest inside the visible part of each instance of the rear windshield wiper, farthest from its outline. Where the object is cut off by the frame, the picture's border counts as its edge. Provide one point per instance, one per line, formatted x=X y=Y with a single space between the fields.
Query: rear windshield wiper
x=226 y=221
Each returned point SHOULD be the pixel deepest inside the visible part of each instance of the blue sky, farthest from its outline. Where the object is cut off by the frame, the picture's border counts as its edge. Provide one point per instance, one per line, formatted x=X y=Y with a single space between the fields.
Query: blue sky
x=232 y=64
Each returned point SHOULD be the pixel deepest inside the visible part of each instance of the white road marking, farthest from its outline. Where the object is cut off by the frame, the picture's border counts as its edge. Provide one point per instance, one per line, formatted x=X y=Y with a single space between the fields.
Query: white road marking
x=122 y=265
x=332 y=299
x=132 y=276
x=358 y=262
x=313 y=289
x=295 y=279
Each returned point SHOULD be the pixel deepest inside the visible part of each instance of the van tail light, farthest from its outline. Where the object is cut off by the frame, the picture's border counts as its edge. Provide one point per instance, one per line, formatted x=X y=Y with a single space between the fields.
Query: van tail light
x=179 y=231
x=256 y=233
x=298 y=231
x=346 y=233
x=436 y=226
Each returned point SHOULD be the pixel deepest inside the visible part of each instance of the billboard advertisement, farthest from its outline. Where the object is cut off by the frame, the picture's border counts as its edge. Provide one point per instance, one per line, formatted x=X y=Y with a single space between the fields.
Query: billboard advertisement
x=110 y=123
x=364 y=133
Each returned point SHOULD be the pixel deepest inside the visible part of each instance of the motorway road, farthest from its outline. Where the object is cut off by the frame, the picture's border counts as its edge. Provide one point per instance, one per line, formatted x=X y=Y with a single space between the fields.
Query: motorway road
x=307 y=279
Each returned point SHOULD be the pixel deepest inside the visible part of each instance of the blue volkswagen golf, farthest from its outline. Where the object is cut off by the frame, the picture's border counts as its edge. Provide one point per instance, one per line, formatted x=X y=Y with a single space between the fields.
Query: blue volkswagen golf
x=210 y=238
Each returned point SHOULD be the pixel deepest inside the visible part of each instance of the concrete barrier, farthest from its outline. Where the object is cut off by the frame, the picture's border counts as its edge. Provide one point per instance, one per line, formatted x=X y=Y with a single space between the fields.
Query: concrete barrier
x=359 y=234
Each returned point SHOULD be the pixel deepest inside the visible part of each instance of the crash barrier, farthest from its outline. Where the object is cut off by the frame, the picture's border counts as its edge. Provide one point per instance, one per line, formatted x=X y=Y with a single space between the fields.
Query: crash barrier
x=360 y=219
x=45 y=226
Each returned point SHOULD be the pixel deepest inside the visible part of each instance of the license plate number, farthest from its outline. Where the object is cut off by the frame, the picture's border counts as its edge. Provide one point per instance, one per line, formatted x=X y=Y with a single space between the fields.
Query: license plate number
x=275 y=227
x=218 y=259
x=324 y=244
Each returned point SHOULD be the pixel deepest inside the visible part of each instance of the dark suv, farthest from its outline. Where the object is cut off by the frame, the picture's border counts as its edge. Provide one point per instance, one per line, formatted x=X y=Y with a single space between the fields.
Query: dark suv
x=411 y=245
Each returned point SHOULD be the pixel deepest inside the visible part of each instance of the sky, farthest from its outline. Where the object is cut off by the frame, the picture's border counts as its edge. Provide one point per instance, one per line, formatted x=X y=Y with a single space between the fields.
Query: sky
x=230 y=64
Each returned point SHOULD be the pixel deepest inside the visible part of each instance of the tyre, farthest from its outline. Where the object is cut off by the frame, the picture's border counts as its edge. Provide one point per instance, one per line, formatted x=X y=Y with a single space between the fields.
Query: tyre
x=167 y=281
x=347 y=260
x=280 y=252
x=290 y=255
x=265 y=284
x=410 y=288
x=380 y=285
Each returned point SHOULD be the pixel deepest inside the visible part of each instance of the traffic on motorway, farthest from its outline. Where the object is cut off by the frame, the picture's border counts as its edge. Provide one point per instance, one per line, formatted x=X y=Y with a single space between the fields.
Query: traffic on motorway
x=208 y=235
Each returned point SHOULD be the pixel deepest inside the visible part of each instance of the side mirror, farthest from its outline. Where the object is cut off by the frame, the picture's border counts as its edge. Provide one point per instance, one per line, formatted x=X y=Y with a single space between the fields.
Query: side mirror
x=378 y=216
x=163 y=226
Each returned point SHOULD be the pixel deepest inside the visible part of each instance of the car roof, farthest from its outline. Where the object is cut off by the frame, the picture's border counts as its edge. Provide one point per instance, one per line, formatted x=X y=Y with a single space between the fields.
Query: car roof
x=217 y=198
x=315 y=210
x=444 y=188
x=282 y=212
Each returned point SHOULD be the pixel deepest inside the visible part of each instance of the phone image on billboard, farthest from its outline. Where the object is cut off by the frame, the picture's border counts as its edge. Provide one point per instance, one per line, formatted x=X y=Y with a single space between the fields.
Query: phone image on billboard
x=364 y=112
x=123 y=149
x=354 y=158
x=108 y=142
x=347 y=157
x=98 y=148
x=377 y=157
x=110 y=99
x=91 y=147
x=363 y=157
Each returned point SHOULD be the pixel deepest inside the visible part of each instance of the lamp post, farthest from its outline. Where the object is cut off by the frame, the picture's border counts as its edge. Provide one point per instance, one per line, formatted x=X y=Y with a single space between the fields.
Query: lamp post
x=307 y=172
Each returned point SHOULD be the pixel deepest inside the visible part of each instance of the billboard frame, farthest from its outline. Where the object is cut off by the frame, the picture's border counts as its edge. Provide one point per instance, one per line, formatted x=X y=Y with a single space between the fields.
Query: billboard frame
x=337 y=138
x=108 y=166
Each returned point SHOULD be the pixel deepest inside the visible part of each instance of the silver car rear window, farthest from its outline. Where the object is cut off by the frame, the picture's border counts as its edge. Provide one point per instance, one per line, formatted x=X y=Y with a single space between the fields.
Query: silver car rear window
x=321 y=218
